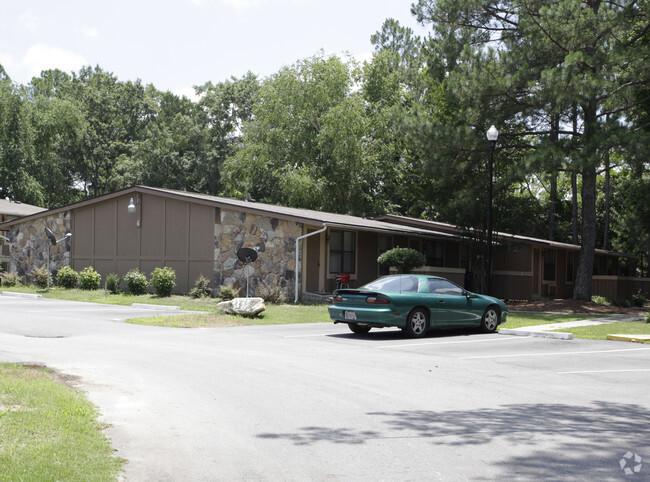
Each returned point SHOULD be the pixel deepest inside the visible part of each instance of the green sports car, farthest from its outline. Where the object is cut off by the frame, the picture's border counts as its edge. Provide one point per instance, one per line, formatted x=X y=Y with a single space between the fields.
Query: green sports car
x=415 y=303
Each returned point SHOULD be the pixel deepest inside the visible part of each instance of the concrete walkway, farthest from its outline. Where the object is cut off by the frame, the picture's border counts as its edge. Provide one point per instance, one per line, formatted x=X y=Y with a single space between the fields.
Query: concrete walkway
x=547 y=330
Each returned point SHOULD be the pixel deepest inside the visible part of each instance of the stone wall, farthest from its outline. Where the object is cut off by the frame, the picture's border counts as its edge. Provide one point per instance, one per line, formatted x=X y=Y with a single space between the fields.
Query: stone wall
x=275 y=241
x=28 y=245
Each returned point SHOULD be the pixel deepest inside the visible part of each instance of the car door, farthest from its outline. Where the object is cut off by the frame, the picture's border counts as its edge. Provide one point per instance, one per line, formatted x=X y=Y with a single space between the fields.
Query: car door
x=449 y=305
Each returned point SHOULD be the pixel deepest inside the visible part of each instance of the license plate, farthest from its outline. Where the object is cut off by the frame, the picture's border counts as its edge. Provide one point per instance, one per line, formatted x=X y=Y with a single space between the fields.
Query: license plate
x=350 y=315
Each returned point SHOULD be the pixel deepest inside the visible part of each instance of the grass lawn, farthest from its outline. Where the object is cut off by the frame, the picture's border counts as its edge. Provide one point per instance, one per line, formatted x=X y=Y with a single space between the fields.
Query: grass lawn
x=273 y=315
x=600 y=332
x=518 y=320
x=49 y=431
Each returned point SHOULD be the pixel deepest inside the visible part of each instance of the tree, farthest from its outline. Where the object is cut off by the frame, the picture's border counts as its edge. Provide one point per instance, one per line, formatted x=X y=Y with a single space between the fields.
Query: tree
x=404 y=259
x=527 y=62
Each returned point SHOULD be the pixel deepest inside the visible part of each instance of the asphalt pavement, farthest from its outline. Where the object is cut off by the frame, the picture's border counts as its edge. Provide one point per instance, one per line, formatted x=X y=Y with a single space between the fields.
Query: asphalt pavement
x=315 y=402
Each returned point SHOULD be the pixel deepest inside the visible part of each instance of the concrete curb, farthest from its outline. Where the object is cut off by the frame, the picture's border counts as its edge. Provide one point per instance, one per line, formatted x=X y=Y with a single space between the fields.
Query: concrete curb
x=156 y=307
x=21 y=295
x=539 y=334
x=634 y=338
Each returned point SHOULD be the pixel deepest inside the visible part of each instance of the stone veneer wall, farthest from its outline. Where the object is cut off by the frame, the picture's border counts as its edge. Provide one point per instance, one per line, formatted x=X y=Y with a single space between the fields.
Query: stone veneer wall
x=28 y=245
x=275 y=240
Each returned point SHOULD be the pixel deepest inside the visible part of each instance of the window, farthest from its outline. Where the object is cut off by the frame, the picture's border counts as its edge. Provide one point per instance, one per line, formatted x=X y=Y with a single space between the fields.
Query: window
x=444 y=287
x=342 y=251
x=434 y=251
x=394 y=283
x=570 y=264
x=549 y=265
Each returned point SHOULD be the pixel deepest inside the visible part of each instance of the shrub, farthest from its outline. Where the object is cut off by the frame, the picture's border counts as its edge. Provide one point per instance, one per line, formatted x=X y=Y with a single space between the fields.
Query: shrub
x=228 y=292
x=163 y=281
x=601 y=300
x=41 y=277
x=404 y=259
x=89 y=279
x=136 y=282
x=67 y=278
x=113 y=283
x=201 y=288
x=647 y=318
x=9 y=279
x=639 y=299
x=272 y=291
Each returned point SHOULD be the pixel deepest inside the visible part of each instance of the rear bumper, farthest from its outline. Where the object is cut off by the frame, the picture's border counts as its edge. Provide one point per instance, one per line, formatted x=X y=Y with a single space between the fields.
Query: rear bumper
x=375 y=316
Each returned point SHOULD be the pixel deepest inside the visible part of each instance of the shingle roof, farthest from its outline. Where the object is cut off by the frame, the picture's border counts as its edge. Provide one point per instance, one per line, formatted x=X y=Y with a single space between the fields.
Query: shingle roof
x=304 y=215
x=12 y=208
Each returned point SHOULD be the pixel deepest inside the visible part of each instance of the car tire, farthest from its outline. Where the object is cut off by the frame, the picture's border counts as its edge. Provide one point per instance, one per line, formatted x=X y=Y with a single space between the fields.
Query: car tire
x=358 y=329
x=417 y=323
x=490 y=320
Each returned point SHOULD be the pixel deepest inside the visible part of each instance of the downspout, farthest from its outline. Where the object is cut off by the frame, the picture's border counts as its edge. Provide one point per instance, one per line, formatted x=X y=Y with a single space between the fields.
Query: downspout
x=298 y=267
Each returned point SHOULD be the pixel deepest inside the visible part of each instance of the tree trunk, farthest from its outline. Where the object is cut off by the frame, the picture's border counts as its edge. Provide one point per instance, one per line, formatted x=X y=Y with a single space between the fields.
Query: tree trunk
x=582 y=288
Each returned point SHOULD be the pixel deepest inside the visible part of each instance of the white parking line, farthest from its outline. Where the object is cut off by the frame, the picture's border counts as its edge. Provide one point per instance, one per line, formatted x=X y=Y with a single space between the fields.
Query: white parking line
x=611 y=371
x=308 y=336
x=451 y=342
x=553 y=353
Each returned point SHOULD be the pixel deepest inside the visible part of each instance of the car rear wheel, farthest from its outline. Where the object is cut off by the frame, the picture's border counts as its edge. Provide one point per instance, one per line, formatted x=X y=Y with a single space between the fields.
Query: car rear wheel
x=490 y=320
x=358 y=329
x=417 y=323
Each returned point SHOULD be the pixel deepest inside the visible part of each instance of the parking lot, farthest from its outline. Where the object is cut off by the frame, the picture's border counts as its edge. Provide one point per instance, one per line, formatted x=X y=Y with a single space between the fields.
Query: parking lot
x=314 y=401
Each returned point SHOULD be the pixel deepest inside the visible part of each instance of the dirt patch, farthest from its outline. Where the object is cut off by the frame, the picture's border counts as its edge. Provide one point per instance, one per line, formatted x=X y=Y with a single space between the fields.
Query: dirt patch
x=571 y=306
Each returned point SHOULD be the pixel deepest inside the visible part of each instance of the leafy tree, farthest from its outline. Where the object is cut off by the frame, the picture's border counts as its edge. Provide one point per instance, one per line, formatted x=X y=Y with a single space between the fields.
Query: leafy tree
x=531 y=63
x=404 y=259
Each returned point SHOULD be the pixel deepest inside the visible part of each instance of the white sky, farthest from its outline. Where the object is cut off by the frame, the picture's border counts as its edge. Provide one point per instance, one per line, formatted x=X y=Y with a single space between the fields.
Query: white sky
x=176 y=44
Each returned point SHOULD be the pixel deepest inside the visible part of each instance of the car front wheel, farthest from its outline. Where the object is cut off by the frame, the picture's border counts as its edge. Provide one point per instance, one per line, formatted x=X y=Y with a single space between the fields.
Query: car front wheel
x=490 y=320
x=417 y=323
x=358 y=329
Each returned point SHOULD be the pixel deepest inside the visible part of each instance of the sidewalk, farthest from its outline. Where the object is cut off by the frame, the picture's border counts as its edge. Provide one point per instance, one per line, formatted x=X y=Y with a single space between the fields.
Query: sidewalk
x=547 y=330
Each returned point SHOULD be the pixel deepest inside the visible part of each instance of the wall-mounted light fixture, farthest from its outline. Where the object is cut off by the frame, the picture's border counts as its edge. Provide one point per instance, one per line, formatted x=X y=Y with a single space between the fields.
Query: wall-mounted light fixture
x=133 y=207
x=52 y=242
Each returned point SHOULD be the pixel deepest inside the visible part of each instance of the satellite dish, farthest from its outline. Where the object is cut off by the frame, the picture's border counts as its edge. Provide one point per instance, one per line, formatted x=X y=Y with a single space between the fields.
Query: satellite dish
x=247 y=255
x=50 y=236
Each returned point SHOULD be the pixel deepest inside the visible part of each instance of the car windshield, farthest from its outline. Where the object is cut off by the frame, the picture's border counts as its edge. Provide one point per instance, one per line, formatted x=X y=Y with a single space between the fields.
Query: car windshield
x=394 y=283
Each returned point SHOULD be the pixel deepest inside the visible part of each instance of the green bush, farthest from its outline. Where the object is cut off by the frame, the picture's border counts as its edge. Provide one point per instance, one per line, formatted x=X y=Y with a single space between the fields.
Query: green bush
x=113 y=283
x=163 y=281
x=41 y=277
x=228 y=292
x=136 y=282
x=89 y=279
x=67 y=278
x=201 y=288
x=404 y=259
x=601 y=300
x=272 y=291
x=639 y=299
x=9 y=279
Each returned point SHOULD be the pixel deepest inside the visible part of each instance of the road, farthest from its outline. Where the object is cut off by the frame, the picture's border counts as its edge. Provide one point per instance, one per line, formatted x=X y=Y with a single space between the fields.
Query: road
x=314 y=402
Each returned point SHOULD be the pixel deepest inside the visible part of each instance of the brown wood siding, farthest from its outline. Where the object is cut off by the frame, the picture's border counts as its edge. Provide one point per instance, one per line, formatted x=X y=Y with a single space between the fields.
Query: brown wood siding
x=367 y=253
x=172 y=233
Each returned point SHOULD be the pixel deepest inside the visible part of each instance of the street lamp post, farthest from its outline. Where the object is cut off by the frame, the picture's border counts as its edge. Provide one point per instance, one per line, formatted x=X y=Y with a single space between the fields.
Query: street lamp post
x=492 y=135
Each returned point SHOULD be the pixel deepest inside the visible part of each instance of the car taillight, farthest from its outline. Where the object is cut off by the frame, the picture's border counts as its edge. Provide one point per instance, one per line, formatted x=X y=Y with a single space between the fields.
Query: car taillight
x=377 y=299
x=337 y=298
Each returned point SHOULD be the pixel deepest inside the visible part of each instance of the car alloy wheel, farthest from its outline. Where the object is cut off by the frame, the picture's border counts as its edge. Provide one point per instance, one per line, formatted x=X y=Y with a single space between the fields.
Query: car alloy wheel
x=490 y=320
x=417 y=323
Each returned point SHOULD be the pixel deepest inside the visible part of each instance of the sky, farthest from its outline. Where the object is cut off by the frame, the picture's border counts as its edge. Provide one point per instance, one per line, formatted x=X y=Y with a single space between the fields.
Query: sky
x=177 y=44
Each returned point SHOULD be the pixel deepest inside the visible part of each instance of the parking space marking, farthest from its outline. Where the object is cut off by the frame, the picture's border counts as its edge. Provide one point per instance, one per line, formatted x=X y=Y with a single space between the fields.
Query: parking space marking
x=452 y=342
x=554 y=353
x=611 y=371
x=307 y=336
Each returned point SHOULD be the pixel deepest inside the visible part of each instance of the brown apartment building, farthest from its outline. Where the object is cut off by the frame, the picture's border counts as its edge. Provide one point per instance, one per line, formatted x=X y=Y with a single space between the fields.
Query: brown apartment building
x=304 y=250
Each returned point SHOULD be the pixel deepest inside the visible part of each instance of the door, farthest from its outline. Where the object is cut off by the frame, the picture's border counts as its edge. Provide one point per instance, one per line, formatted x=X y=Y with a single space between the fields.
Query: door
x=449 y=305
